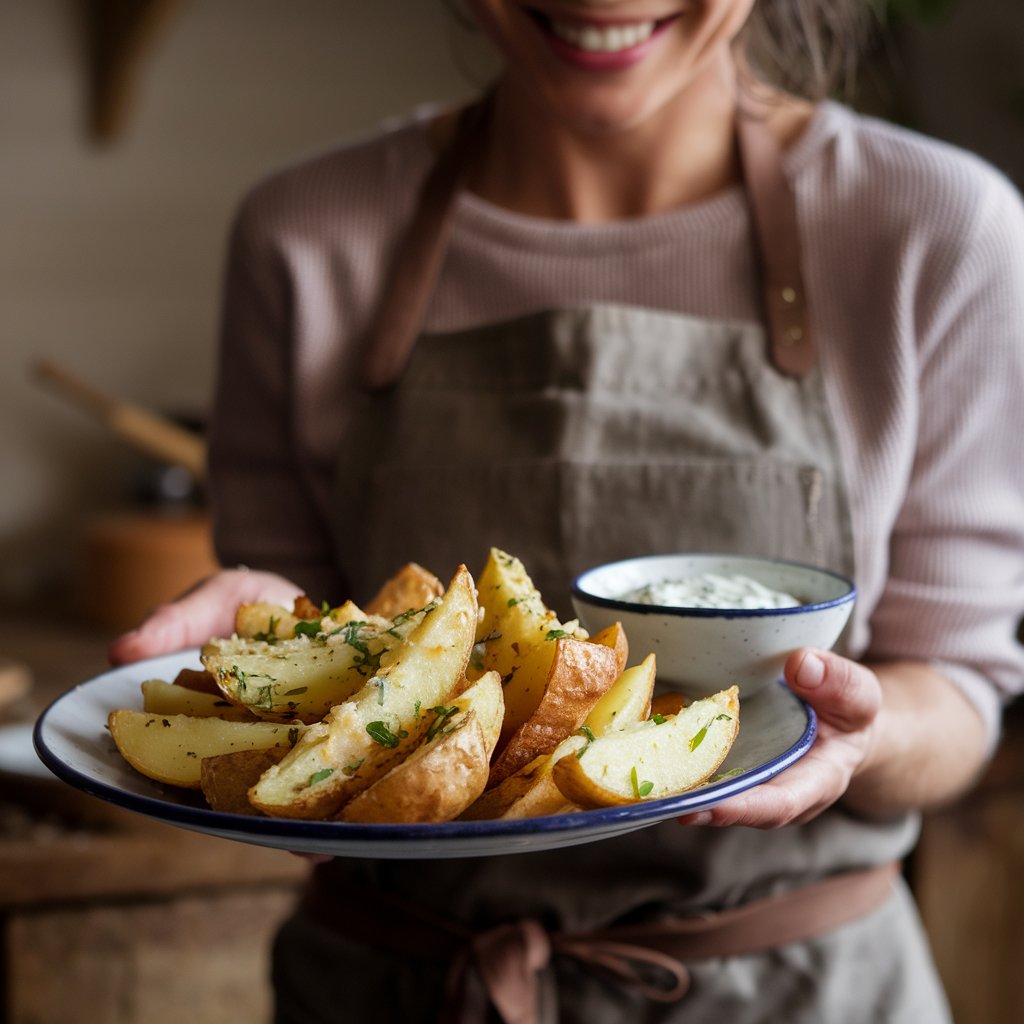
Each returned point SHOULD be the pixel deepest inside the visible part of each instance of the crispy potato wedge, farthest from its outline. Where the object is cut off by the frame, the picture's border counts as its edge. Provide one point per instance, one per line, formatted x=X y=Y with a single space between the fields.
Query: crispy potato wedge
x=162 y=698
x=303 y=677
x=531 y=792
x=171 y=748
x=668 y=703
x=515 y=633
x=357 y=742
x=225 y=779
x=649 y=760
x=614 y=636
x=627 y=702
x=197 y=679
x=442 y=776
x=411 y=587
x=272 y=622
x=581 y=673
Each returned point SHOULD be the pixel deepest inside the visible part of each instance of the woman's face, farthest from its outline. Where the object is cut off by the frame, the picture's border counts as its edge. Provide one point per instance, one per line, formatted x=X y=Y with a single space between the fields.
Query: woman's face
x=605 y=65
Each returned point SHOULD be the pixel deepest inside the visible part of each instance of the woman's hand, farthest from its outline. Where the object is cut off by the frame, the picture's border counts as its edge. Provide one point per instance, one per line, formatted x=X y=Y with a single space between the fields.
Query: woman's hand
x=207 y=610
x=891 y=738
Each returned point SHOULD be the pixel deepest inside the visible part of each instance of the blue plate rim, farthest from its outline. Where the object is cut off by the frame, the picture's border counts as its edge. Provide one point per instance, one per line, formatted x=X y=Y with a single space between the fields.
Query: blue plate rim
x=251 y=828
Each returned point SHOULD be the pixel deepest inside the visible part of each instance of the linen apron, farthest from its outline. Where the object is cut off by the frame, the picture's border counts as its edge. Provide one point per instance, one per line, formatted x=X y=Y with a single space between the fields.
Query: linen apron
x=573 y=437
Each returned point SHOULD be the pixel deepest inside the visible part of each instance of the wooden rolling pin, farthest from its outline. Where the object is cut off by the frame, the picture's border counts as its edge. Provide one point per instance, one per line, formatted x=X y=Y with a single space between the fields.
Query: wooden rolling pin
x=154 y=434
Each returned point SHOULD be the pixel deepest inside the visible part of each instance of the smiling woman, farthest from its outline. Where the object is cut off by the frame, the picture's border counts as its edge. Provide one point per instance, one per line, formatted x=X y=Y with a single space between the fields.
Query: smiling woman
x=637 y=300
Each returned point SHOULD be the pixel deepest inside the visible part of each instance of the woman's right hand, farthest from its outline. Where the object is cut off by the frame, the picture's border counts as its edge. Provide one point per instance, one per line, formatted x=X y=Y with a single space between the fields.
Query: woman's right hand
x=207 y=610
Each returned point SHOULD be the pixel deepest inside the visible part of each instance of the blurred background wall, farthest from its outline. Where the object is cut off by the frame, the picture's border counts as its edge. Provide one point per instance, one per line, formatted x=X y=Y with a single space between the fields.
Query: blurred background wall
x=110 y=252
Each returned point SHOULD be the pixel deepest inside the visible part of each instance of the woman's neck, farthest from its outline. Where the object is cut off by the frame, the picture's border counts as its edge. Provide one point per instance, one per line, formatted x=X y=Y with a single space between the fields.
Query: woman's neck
x=538 y=164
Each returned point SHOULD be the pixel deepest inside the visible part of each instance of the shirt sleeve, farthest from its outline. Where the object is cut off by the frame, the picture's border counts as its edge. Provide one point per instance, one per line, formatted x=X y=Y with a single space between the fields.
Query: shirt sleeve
x=955 y=594
x=265 y=512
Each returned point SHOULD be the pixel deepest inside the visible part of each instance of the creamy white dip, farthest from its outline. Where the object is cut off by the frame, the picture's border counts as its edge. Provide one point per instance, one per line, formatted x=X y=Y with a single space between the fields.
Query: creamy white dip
x=711 y=590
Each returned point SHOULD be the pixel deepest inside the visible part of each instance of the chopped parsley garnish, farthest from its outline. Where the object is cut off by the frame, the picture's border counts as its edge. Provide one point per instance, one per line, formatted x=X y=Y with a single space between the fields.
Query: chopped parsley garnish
x=365 y=662
x=640 y=789
x=308 y=627
x=586 y=731
x=319 y=776
x=269 y=635
x=441 y=716
x=351 y=769
x=513 y=601
x=380 y=733
x=296 y=691
x=658 y=719
x=556 y=634
x=698 y=737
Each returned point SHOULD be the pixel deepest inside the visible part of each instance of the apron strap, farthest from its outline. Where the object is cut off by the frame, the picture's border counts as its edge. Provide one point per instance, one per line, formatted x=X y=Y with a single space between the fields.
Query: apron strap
x=777 y=243
x=421 y=253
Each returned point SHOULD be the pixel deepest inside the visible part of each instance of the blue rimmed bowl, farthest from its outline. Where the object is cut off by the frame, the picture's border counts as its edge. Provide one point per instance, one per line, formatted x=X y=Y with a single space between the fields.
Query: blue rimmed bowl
x=702 y=650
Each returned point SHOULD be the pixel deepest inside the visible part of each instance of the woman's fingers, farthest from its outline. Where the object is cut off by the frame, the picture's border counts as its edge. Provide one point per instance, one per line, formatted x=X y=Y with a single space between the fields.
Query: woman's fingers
x=846 y=697
x=208 y=609
x=843 y=693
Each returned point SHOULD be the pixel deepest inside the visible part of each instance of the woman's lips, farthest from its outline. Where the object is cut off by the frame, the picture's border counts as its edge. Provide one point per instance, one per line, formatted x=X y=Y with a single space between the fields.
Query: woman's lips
x=595 y=46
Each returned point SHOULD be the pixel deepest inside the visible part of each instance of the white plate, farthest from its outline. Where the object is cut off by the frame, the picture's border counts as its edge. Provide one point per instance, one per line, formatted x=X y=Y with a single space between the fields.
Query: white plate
x=17 y=758
x=776 y=729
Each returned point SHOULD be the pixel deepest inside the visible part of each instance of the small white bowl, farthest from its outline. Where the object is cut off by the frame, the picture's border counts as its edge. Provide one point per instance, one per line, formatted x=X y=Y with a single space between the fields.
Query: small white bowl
x=703 y=650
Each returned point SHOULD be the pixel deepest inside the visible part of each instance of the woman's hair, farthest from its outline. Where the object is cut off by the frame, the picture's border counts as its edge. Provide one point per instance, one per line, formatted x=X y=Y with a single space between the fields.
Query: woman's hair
x=808 y=47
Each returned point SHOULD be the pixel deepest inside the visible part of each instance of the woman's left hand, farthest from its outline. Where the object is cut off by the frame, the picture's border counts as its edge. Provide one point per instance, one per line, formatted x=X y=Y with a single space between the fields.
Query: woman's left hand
x=846 y=696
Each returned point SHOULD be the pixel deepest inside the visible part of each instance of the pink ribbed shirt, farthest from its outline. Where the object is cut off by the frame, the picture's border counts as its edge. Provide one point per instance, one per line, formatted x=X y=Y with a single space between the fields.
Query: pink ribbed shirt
x=914 y=256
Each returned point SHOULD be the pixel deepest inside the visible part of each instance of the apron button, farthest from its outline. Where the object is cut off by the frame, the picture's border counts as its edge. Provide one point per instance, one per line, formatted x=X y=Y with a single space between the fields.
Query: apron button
x=788 y=295
x=793 y=336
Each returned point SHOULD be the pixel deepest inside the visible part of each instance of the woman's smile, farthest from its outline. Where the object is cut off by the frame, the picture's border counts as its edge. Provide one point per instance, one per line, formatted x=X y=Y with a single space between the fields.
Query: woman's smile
x=599 y=44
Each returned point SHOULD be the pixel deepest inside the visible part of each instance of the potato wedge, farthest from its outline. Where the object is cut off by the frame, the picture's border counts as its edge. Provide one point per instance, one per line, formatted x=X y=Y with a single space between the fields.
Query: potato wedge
x=580 y=674
x=627 y=702
x=531 y=792
x=162 y=698
x=225 y=779
x=171 y=748
x=197 y=679
x=303 y=677
x=671 y=702
x=614 y=636
x=515 y=634
x=411 y=587
x=272 y=622
x=357 y=742
x=650 y=760
x=446 y=772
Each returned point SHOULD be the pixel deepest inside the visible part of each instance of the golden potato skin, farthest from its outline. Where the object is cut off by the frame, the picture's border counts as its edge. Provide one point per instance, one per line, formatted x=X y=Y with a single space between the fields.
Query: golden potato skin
x=171 y=748
x=226 y=778
x=411 y=587
x=670 y=758
x=340 y=757
x=581 y=673
x=437 y=782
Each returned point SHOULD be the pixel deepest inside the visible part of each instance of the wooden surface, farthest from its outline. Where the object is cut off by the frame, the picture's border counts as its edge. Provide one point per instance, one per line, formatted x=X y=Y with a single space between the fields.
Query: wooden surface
x=968 y=879
x=150 y=923
x=108 y=917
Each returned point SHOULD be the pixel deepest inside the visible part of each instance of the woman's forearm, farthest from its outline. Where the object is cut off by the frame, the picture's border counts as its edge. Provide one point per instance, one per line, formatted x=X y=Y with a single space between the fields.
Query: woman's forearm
x=928 y=743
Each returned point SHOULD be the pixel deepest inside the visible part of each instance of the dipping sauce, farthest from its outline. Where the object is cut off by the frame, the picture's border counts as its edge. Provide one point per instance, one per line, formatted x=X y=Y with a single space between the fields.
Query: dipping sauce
x=711 y=590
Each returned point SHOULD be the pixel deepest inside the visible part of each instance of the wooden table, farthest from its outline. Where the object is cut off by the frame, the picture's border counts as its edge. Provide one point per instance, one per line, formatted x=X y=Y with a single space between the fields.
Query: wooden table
x=147 y=924
x=110 y=918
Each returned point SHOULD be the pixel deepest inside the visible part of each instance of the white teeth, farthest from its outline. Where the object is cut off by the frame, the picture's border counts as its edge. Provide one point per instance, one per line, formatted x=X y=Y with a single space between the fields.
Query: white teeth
x=595 y=39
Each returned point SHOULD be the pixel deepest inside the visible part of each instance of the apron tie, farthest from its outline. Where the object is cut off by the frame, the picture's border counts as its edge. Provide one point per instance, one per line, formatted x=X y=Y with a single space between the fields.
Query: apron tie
x=504 y=966
x=510 y=958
